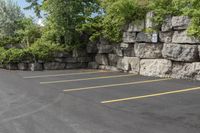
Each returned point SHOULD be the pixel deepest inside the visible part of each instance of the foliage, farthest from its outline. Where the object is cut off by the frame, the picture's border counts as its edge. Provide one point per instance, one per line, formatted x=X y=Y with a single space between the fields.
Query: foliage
x=10 y=14
x=64 y=16
x=29 y=31
x=12 y=55
x=163 y=8
x=120 y=12
x=191 y=9
x=42 y=50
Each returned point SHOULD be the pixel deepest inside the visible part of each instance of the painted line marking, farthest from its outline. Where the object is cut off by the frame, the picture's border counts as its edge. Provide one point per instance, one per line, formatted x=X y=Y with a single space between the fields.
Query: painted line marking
x=67 y=74
x=85 y=79
x=114 y=85
x=151 y=95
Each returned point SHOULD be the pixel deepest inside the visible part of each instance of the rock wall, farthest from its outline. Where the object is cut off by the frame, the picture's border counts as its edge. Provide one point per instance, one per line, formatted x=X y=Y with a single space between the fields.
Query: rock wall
x=167 y=53
x=79 y=58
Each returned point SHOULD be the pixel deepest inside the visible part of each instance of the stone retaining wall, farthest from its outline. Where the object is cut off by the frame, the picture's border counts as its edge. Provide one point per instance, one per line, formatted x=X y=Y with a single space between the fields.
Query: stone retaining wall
x=76 y=59
x=168 y=53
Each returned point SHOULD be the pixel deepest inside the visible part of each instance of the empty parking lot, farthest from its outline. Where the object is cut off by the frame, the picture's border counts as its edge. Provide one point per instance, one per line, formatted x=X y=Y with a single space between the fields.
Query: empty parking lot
x=95 y=101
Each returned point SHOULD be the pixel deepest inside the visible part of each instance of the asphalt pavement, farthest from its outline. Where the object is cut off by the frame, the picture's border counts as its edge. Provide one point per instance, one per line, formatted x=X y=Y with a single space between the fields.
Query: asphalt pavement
x=96 y=101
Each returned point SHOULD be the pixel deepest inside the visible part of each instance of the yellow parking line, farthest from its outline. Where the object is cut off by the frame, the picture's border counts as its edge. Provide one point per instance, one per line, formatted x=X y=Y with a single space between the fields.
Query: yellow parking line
x=151 y=95
x=67 y=74
x=85 y=79
x=114 y=85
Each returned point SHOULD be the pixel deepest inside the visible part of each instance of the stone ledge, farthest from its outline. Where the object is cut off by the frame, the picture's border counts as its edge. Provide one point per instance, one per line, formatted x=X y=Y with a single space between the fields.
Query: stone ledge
x=182 y=37
x=129 y=64
x=186 y=70
x=180 y=52
x=148 y=51
x=155 y=67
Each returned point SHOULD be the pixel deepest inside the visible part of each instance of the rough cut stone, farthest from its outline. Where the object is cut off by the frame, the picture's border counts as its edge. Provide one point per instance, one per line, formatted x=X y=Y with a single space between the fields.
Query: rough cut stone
x=199 y=50
x=93 y=65
x=76 y=65
x=12 y=66
x=101 y=59
x=84 y=59
x=165 y=37
x=144 y=37
x=182 y=37
x=112 y=68
x=113 y=58
x=129 y=37
x=35 y=66
x=186 y=70
x=23 y=66
x=167 y=25
x=180 y=22
x=61 y=54
x=70 y=60
x=131 y=64
x=179 y=52
x=54 y=66
x=146 y=50
x=136 y=26
x=104 y=49
x=92 y=47
x=155 y=67
x=129 y=51
x=117 y=50
x=149 y=23
x=79 y=53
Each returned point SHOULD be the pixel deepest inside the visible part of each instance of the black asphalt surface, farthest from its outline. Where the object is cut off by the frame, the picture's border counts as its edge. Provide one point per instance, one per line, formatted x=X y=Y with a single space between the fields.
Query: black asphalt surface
x=28 y=106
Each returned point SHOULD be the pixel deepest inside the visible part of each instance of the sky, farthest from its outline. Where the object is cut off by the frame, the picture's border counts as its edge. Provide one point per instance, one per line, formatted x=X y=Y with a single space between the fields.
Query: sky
x=28 y=13
x=23 y=4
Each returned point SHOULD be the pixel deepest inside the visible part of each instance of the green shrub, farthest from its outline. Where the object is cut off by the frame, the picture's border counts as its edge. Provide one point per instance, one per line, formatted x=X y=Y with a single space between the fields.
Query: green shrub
x=12 y=55
x=120 y=12
x=42 y=50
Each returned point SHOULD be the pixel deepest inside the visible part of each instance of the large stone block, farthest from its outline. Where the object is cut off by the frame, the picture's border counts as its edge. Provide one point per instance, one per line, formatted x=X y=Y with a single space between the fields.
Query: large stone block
x=129 y=51
x=146 y=50
x=165 y=37
x=131 y=64
x=61 y=54
x=144 y=37
x=155 y=67
x=12 y=66
x=149 y=23
x=76 y=65
x=92 y=48
x=179 y=52
x=23 y=66
x=180 y=22
x=136 y=26
x=112 y=68
x=35 y=66
x=104 y=49
x=101 y=59
x=70 y=60
x=93 y=65
x=129 y=37
x=186 y=70
x=167 y=25
x=118 y=50
x=54 y=66
x=113 y=59
x=84 y=59
x=182 y=37
x=79 y=53
x=199 y=50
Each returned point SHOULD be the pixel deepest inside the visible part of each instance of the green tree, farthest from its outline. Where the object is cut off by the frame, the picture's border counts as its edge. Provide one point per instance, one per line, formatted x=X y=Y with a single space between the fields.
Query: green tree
x=29 y=31
x=10 y=15
x=64 y=16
